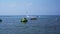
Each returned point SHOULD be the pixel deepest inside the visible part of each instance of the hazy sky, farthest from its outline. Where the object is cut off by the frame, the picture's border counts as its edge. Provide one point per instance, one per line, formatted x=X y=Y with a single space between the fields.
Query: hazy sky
x=31 y=7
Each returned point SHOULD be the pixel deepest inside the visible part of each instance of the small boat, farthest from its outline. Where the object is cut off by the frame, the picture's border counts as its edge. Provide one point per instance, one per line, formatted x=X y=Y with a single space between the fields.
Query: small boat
x=24 y=20
x=0 y=20
x=32 y=17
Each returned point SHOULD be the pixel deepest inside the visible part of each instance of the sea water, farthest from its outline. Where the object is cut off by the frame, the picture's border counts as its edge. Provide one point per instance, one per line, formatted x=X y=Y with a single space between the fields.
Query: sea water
x=45 y=24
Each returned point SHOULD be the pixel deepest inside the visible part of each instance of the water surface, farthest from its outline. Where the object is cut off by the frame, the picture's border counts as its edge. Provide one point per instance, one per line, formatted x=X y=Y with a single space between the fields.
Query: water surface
x=45 y=24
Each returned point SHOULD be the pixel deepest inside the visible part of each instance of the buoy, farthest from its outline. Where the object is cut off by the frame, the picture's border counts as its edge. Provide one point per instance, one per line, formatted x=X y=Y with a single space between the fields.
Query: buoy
x=24 y=20
x=0 y=20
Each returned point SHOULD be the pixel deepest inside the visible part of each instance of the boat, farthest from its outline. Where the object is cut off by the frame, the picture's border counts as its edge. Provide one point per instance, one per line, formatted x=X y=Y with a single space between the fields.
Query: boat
x=24 y=20
x=0 y=20
x=32 y=17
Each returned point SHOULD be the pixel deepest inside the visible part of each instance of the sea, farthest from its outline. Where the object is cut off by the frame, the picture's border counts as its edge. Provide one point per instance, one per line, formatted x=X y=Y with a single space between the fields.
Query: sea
x=45 y=24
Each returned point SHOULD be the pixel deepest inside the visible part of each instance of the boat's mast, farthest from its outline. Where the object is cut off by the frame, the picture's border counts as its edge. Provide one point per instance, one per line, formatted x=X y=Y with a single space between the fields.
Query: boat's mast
x=26 y=13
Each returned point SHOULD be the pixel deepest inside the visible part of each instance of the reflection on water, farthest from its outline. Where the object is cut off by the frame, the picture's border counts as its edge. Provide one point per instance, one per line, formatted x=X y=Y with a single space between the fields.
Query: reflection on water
x=44 y=25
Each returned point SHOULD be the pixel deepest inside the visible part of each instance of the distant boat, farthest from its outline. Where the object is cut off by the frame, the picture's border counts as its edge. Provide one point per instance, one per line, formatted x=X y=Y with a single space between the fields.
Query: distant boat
x=0 y=20
x=32 y=17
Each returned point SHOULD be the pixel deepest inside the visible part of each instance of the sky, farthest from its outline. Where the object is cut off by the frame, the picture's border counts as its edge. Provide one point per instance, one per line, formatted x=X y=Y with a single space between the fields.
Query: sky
x=30 y=7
